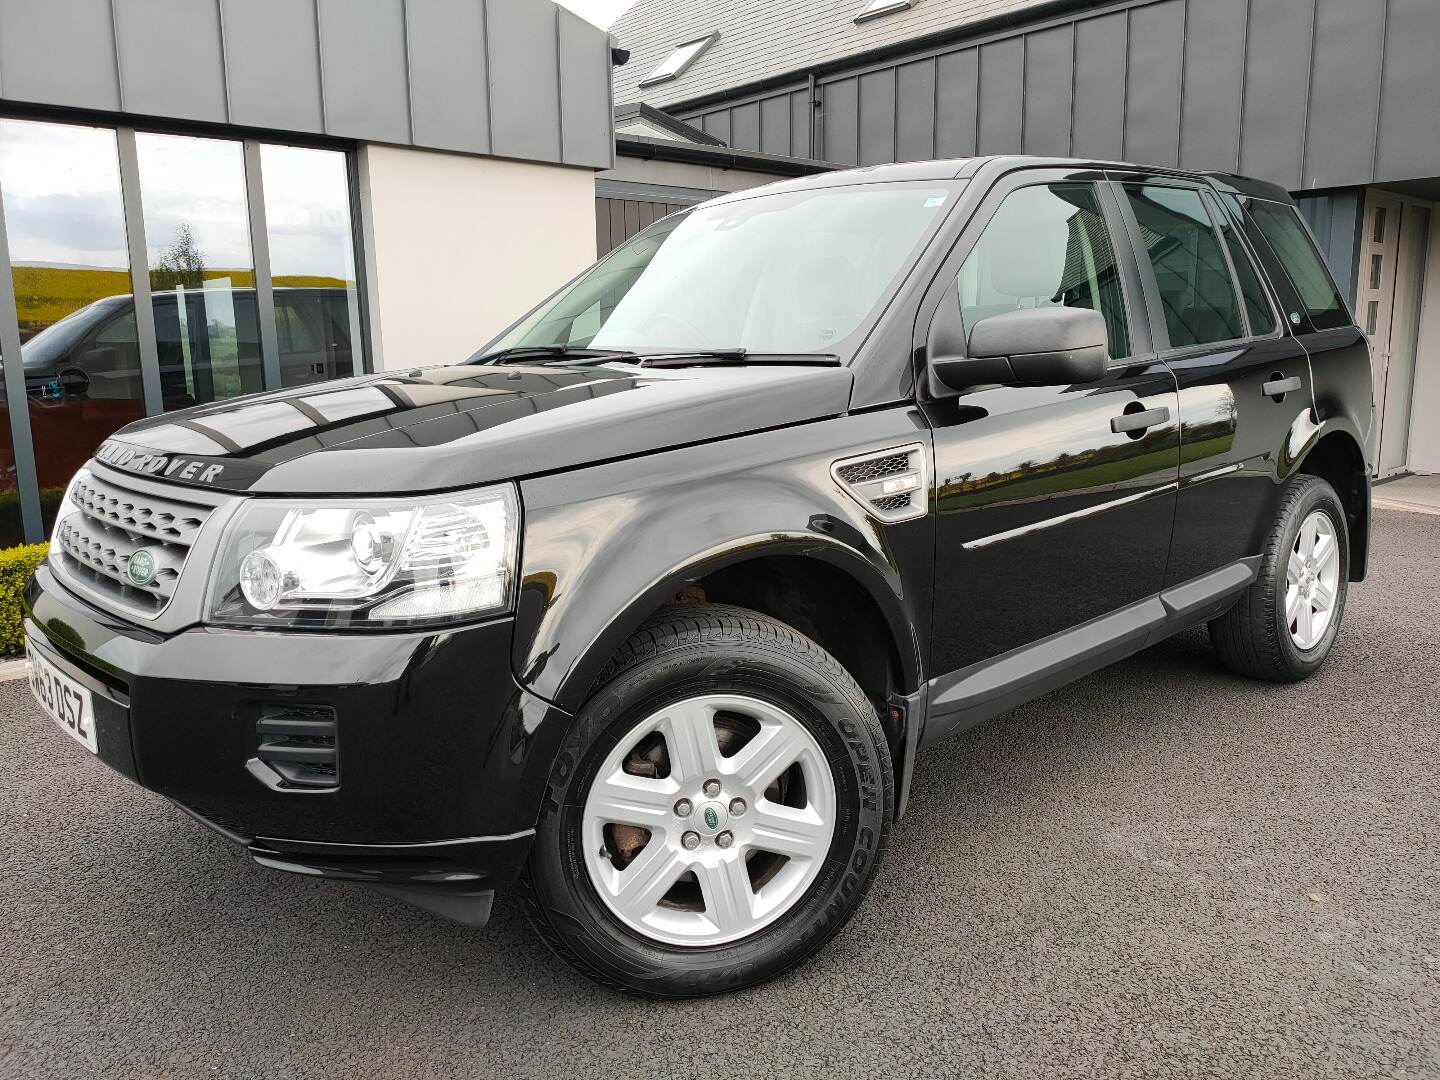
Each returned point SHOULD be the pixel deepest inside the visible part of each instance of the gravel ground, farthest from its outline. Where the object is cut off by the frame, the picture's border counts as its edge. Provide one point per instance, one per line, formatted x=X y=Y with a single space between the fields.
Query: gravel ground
x=1159 y=871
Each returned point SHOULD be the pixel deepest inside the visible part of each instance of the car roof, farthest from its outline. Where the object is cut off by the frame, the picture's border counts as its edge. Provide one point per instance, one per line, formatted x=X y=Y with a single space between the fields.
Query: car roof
x=964 y=168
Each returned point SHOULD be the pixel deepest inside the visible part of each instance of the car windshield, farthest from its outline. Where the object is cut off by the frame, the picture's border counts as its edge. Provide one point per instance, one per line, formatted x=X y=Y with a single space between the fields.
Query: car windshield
x=789 y=272
x=58 y=339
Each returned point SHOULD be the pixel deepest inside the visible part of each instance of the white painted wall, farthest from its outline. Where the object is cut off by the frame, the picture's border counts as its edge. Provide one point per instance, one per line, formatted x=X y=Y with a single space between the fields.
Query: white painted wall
x=458 y=247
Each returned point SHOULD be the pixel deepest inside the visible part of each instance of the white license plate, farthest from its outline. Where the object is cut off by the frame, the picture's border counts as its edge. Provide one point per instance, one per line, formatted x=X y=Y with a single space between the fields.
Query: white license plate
x=68 y=703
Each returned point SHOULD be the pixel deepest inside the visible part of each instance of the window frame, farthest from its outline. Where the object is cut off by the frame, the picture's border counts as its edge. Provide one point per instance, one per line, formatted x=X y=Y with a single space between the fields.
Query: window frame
x=878 y=9
x=942 y=282
x=701 y=47
x=1159 y=328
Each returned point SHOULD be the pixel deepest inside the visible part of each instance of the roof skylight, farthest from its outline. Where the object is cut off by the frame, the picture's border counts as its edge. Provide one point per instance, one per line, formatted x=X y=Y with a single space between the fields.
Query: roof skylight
x=680 y=59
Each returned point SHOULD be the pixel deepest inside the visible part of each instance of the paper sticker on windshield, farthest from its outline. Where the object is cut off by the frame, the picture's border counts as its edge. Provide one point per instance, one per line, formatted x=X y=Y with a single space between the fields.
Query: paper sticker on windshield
x=934 y=200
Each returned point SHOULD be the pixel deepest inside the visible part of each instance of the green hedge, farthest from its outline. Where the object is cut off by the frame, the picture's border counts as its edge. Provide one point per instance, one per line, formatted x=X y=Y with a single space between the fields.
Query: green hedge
x=16 y=566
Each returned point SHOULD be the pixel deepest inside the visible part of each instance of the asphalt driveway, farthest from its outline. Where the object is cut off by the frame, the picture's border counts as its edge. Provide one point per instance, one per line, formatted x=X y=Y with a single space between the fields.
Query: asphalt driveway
x=1159 y=871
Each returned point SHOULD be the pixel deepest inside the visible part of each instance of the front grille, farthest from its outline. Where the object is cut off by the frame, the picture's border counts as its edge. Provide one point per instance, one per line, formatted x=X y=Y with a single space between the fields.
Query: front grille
x=104 y=525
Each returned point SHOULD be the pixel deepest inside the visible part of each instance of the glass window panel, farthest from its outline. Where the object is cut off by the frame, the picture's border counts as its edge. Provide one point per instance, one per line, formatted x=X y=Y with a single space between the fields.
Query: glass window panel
x=1378 y=234
x=202 y=270
x=66 y=225
x=1377 y=266
x=1257 y=305
x=1046 y=246
x=1280 y=225
x=312 y=262
x=1196 y=292
x=1372 y=316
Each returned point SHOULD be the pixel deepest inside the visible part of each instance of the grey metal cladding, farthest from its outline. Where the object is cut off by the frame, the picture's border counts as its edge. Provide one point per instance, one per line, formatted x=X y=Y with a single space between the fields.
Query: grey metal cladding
x=524 y=81
x=60 y=52
x=877 y=117
x=718 y=125
x=775 y=125
x=1049 y=79
x=1408 y=141
x=1214 y=85
x=915 y=111
x=1277 y=79
x=1098 y=126
x=1002 y=92
x=1349 y=41
x=363 y=66
x=800 y=122
x=272 y=64
x=449 y=75
x=957 y=102
x=584 y=92
x=1152 y=98
x=171 y=61
x=840 y=120
x=444 y=74
x=745 y=127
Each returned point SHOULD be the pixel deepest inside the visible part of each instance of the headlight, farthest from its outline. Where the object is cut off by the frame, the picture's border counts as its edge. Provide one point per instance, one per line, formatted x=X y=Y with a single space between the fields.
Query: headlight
x=370 y=562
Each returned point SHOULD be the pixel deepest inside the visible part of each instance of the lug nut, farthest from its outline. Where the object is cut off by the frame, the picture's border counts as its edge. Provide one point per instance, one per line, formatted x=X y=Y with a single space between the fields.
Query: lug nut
x=725 y=839
x=737 y=807
x=691 y=840
x=683 y=808
x=712 y=788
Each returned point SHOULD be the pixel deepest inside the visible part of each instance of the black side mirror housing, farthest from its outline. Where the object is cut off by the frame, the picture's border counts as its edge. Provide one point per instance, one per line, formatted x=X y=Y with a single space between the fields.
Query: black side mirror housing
x=1049 y=346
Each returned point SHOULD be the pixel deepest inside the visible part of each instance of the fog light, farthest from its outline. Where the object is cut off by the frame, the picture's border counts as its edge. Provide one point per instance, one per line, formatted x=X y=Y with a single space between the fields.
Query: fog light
x=261 y=580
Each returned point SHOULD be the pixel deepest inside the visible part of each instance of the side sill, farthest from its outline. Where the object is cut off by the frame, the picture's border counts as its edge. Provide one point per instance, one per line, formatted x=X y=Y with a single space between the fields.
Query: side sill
x=974 y=694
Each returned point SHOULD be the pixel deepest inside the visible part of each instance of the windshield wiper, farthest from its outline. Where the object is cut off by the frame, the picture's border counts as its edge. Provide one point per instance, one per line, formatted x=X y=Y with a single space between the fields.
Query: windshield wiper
x=726 y=357
x=518 y=354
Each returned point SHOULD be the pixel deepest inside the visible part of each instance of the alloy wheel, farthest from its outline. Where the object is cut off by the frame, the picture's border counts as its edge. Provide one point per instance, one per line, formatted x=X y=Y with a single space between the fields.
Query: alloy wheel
x=709 y=820
x=1312 y=580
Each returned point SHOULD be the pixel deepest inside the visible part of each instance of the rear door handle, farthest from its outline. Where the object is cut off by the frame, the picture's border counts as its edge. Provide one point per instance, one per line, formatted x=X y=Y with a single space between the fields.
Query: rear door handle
x=1139 y=421
x=1280 y=387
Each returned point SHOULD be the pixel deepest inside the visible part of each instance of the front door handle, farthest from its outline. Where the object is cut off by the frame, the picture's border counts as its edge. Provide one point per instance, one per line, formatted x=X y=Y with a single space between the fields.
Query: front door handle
x=1278 y=388
x=1139 y=421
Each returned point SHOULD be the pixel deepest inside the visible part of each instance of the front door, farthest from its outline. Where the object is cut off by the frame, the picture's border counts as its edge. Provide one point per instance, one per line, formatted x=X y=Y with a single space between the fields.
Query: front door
x=1395 y=233
x=1055 y=503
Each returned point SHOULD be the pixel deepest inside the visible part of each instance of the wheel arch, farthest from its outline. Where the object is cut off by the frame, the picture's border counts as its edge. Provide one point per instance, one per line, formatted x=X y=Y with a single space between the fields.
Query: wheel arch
x=1336 y=457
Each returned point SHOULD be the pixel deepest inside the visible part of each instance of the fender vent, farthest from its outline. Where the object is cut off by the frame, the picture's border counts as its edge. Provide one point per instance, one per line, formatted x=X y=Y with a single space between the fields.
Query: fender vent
x=892 y=484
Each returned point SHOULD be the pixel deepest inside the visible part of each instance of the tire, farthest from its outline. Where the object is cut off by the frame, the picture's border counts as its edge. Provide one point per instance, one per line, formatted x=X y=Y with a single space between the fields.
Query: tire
x=684 y=659
x=1255 y=637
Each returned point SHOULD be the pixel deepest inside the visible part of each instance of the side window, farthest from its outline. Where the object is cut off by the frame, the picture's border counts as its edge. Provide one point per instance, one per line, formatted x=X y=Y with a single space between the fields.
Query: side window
x=1046 y=246
x=1257 y=305
x=1281 y=226
x=1196 y=292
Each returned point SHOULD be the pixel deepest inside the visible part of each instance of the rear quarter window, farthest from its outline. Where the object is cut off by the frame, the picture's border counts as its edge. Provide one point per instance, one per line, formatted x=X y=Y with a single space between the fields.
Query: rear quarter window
x=1282 y=229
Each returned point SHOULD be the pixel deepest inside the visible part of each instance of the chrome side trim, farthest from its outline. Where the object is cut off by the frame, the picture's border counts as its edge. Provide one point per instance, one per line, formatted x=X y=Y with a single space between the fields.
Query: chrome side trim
x=1211 y=474
x=1074 y=515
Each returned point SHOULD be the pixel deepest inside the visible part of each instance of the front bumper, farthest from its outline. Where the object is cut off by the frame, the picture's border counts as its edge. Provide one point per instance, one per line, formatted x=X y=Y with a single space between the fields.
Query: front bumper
x=443 y=757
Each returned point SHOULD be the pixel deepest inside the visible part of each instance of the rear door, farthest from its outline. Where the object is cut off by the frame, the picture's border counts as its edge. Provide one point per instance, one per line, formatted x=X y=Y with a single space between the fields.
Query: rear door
x=1244 y=385
x=1054 y=504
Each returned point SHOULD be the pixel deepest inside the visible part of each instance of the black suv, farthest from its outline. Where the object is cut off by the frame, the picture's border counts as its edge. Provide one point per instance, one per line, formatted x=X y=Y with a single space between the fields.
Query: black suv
x=647 y=608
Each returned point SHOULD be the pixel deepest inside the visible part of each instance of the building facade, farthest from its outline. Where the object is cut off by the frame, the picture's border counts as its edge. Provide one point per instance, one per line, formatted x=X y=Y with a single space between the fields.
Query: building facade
x=1333 y=99
x=204 y=198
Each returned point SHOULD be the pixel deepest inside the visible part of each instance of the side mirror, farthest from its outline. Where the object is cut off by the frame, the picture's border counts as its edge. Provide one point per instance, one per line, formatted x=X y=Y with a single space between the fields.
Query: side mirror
x=1049 y=346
